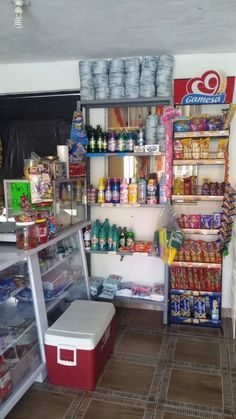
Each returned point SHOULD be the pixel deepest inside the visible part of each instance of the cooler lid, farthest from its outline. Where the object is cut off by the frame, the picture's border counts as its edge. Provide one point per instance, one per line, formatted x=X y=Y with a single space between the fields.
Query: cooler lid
x=82 y=325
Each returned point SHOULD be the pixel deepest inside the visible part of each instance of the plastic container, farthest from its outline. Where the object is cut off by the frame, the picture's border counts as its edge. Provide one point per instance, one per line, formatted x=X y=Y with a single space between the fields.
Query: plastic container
x=151 y=192
x=124 y=198
x=101 y=191
x=133 y=192
x=26 y=235
x=142 y=191
x=79 y=344
x=116 y=190
x=42 y=227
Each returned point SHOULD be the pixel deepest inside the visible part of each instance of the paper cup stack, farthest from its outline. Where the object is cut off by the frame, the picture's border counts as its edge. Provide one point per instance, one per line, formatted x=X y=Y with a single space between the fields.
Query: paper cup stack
x=132 y=75
x=148 y=77
x=100 y=79
x=164 y=75
x=86 y=80
x=117 y=78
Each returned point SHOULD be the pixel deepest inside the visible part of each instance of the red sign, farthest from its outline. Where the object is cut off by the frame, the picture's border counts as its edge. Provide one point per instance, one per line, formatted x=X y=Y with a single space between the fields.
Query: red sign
x=211 y=88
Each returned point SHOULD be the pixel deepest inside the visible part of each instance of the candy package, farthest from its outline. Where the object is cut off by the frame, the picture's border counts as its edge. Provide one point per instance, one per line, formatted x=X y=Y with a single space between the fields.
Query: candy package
x=181 y=125
x=175 y=305
x=199 y=303
x=178 y=149
x=193 y=221
x=196 y=149
x=204 y=148
x=197 y=123
x=185 y=305
x=187 y=148
x=215 y=123
x=206 y=221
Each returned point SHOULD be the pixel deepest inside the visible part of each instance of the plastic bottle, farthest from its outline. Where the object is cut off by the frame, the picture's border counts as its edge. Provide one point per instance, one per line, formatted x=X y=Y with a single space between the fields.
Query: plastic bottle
x=151 y=192
x=129 y=144
x=124 y=198
x=108 y=191
x=111 y=142
x=142 y=190
x=120 y=143
x=115 y=239
x=95 y=236
x=122 y=238
x=104 y=142
x=87 y=238
x=110 y=239
x=102 y=238
x=101 y=191
x=106 y=226
x=99 y=139
x=133 y=192
x=92 y=142
x=116 y=190
x=162 y=189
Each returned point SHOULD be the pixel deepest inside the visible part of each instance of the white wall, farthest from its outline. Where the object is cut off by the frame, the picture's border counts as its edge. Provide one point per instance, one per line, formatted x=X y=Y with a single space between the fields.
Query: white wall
x=37 y=77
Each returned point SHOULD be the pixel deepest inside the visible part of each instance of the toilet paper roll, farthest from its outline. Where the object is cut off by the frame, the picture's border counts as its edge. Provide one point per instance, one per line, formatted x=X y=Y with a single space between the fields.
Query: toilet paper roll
x=63 y=154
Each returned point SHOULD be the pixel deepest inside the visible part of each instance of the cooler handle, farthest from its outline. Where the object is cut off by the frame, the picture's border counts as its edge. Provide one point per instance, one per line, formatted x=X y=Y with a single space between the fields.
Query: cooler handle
x=64 y=361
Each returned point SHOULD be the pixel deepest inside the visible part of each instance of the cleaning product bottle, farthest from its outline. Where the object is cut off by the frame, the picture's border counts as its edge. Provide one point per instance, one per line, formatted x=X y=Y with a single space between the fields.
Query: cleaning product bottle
x=122 y=238
x=162 y=189
x=151 y=192
x=108 y=191
x=110 y=239
x=142 y=190
x=95 y=236
x=116 y=190
x=133 y=192
x=115 y=238
x=102 y=238
x=124 y=199
x=101 y=191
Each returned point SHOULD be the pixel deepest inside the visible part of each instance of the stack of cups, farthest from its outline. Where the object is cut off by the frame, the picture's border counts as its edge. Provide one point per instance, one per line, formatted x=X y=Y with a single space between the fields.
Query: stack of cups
x=86 y=80
x=117 y=78
x=100 y=79
x=161 y=137
x=164 y=75
x=132 y=75
x=151 y=124
x=148 y=77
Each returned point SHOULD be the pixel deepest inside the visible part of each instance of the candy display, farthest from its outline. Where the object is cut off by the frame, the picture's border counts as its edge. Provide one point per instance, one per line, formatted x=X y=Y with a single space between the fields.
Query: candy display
x=197 y=148
x=199 y=279
x=199 y=123
x=199 y=251
x=228 y=213
x=198 y=221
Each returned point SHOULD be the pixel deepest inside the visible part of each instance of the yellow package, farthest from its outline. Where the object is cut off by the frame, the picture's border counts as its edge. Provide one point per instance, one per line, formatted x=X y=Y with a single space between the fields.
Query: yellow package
x=204 y=148
x=196 y=149
x=222 y=148
x=187 y=148
x=178 y=188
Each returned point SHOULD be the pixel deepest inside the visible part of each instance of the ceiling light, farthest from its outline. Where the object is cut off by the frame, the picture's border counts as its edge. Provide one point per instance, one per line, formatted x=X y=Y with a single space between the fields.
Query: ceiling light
x=19 y=5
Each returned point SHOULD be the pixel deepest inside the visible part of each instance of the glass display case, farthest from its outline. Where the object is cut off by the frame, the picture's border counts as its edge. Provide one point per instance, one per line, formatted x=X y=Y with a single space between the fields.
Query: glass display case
x=36 y=287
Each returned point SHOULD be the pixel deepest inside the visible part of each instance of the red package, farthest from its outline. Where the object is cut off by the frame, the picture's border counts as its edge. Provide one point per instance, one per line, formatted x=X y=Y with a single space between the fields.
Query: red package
x=211 y=251
x=195 y=250
x=194 y=221
x=218 y=258
x=186 y=251
x=191 y=285
x=205 y=252
x=202 y=279
x=187 y=186
x=217 y=280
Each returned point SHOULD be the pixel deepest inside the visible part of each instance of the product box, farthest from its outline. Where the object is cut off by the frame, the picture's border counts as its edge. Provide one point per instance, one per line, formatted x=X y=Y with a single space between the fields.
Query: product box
x=79 y=343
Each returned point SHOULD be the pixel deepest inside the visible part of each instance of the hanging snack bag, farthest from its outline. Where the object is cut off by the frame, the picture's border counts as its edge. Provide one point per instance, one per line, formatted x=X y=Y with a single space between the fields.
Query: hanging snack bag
x=204 y=148
x=187 y=148
x=196 y=148
x=178 y=149
x=222 y=148
x=199 y=304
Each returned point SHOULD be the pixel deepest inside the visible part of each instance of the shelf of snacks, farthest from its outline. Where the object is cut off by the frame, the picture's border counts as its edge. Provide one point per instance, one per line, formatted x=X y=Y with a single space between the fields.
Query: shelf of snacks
x=199 y=162
x=199 y=134
x=200 y=223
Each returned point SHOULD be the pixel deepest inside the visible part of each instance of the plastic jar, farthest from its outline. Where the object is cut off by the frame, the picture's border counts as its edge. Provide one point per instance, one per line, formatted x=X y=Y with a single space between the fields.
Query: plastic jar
x=42 y=227
x=26 y=235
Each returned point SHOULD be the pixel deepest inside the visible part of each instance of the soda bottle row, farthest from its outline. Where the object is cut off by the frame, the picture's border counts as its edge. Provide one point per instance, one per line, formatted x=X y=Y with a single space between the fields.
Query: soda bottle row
x=128 y=191
x=112 y=141
x=103 y=236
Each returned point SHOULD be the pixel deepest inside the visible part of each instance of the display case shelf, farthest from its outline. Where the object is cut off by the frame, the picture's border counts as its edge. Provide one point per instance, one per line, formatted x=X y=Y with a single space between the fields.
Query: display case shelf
x=195 y=162
x=57 y=263
x=122 y=254
x=13 y=340
x=204 y=231
x=198 y=134
x=197 y=264
x=120 y=206
x=12 y=294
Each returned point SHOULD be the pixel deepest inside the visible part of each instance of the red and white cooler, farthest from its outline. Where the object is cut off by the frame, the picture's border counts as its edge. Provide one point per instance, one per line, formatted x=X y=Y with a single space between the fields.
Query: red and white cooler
x=79 y=343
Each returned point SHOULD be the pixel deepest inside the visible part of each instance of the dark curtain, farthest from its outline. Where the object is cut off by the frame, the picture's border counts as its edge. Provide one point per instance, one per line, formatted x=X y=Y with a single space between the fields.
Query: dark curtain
x=20 y=138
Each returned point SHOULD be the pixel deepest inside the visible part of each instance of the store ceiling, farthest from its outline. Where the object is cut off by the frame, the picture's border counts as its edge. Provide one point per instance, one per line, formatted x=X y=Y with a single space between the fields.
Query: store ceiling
x=57 y=30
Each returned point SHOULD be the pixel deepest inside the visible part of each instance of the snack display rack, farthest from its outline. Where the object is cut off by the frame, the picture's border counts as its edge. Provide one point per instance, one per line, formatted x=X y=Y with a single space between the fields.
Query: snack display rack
x=194 y=300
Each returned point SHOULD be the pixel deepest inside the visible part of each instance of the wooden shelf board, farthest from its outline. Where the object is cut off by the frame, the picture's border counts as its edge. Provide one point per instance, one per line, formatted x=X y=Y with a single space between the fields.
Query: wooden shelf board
x=205 y=231
x=196 y=134
x=194 y=162
x=193 y=198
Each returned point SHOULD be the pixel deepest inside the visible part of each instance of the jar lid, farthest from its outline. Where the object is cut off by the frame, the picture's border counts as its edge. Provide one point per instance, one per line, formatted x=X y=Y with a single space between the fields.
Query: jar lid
x=25 y=224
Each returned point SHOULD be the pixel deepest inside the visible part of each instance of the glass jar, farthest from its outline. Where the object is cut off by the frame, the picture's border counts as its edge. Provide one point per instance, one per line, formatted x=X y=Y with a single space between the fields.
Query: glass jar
x=26 y=235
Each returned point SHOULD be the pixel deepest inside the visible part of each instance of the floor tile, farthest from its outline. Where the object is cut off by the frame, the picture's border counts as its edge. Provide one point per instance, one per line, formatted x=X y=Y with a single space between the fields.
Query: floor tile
x=108 y=410
x=146 y=318
x=37 y=405
x=140 y=343
x=192 y=387
x=127 y=377
x=201 y=351
x=200 y=331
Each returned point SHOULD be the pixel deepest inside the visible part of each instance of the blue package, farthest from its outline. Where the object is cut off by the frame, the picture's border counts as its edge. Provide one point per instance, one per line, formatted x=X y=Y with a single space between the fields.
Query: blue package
x=175 y=305
x=78 y=133
x=199 y=303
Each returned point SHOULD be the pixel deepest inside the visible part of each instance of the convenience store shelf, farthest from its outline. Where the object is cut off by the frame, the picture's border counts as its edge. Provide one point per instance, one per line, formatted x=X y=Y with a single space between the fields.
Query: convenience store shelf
x=175 y=291
x=197 y=264
x=125 y=154
x=110 y=205
x=193 y=198
x=195 y=162
x=205 y=231
x=122 y=254
x=136 y=303
x=114 y=103
x=198 y=134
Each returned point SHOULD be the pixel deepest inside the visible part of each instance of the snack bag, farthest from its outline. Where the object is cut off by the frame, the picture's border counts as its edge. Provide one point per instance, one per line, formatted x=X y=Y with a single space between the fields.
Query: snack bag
x=187 y=186
x=178 y=149
x=204 y=148
x=175 y=305
x=222 y=148
x=199 y=304
x=195 y=250
x=185 y=305
x=216 y=220
x=197 y=123
x=187 y=148
x=193 y=185
x=196 y=149
x=186 y=251
x=181 y=125
x=194 y=221
x=205 y=252
x=178 y=187
x=206 y=221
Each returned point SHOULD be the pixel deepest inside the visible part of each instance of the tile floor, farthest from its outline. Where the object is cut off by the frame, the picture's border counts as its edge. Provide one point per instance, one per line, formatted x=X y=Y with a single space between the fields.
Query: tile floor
x=155 y=372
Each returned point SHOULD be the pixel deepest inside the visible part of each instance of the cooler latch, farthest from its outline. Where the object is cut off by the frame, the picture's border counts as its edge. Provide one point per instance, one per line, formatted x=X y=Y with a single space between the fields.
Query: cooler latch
x=67 y=363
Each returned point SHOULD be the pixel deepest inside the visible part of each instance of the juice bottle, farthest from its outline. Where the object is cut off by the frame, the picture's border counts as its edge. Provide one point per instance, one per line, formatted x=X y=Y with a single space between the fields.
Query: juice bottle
x=133 y=192
x=101 y=191
x=124 y=199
